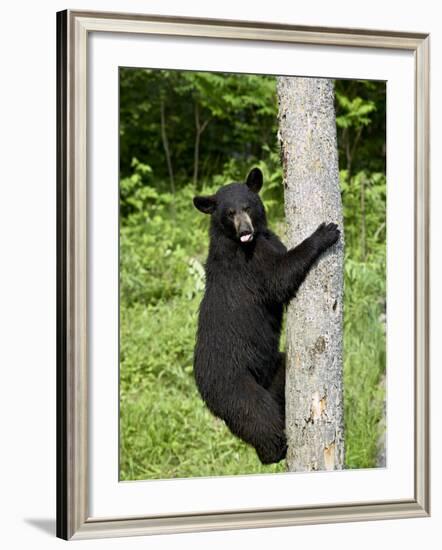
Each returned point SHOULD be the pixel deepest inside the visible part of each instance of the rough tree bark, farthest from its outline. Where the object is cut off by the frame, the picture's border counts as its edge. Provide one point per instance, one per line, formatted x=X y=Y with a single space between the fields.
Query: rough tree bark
x=314 y=405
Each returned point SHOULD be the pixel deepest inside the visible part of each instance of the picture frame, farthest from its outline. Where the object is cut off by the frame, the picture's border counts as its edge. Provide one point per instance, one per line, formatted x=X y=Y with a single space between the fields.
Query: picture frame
x=74 y=520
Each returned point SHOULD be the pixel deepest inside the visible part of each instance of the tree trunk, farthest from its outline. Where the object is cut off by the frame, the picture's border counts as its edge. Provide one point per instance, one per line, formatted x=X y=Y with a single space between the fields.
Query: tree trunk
x=314 y=401
x=166 y=146
x=199 y=129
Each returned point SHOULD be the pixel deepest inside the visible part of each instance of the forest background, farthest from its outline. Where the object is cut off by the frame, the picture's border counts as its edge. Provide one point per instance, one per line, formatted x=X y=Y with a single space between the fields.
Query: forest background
x=183 y=133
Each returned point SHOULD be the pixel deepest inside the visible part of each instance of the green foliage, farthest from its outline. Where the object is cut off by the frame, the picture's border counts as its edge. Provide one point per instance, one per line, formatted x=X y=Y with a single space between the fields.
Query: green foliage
x=364 y=361
x=238 y=113
x=364 y=213
x=160 y=244
x=354 y=111
x=166 y=430
x=364 y=202
x=361 y=125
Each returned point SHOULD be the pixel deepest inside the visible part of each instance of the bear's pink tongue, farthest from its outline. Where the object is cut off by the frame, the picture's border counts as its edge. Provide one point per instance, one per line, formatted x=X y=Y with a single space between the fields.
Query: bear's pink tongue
x=246 y=238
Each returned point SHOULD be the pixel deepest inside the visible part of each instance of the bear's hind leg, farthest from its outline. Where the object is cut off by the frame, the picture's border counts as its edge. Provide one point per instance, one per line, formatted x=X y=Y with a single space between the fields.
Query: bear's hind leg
x=255 y=416
x=277 y=386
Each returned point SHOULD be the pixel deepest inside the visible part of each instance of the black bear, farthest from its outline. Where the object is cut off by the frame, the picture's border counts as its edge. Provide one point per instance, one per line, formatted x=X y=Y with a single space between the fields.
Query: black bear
x=250 y=276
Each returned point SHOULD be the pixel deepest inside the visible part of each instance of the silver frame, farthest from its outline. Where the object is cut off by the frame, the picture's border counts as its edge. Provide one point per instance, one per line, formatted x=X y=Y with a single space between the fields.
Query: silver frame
x=73 y=520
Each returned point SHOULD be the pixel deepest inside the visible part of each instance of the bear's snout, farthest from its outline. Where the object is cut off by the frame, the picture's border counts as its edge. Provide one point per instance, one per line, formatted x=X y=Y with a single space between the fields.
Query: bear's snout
x=244 y=226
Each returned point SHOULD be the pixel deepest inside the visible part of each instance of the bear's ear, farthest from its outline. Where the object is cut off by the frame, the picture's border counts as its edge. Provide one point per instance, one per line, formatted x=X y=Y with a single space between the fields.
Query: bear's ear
x=205 y=204
x=254 y=180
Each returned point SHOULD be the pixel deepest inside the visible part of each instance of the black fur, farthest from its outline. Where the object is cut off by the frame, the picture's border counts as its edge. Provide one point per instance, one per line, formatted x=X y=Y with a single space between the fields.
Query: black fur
x=238 y=368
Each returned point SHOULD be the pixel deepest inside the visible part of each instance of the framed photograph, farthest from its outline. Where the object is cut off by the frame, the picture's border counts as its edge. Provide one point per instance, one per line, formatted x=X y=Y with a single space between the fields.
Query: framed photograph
x=242 y=252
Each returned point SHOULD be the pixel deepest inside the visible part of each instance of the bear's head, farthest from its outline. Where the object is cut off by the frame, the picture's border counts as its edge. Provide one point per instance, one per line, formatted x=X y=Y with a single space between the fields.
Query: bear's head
x=236 y=208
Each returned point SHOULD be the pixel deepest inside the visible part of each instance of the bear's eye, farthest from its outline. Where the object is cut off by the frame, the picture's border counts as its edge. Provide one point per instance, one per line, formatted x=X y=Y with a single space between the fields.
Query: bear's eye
x=230 y=213
x=247 y=209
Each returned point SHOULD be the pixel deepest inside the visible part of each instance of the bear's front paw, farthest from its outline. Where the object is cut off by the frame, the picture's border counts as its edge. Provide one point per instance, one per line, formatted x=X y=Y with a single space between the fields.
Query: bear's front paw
x=327 y=235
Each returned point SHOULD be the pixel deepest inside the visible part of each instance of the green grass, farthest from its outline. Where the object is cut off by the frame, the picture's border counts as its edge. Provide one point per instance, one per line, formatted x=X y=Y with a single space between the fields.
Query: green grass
x=165 y=429
x=364 y=362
